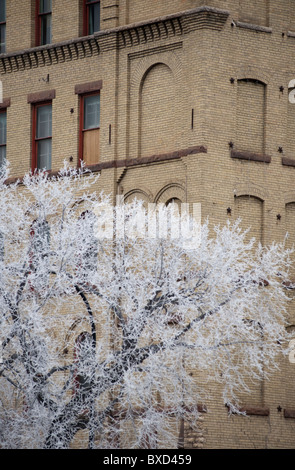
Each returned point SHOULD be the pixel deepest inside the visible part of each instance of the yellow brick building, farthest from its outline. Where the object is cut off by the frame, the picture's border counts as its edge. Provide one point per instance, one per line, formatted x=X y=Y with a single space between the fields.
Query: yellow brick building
x=185 y=99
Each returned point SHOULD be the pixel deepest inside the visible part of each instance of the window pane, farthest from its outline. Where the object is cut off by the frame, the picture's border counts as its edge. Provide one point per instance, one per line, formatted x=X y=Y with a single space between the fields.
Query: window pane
x=44 y=154
x=91 y=111
x=2 y=10
x=2 y=155
x=45 y=6
x=94 y=18
x=44 y=121
x=91 y=146
x=45 y=30
x=2 y=38
x=2 y=128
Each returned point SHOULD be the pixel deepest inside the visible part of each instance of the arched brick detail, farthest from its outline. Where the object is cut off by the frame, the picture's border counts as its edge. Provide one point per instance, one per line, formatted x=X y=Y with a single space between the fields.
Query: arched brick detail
x=289 y=197
x=249 y=209
x=169 y=58
x=170 y=191
x=140 y=194
x=250 y=189
x=254 y=73
x=143 y=69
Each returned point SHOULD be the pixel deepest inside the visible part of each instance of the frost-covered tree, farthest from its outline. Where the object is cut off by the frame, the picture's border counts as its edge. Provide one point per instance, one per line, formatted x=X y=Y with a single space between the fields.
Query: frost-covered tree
x=112 y=325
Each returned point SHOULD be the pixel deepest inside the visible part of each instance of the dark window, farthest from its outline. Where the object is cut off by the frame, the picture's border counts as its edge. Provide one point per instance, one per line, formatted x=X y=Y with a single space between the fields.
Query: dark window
x=2 y=137
x=89 y=128
x=91 y=16
x=43 y=22
x=2 y=26
x=42 y=136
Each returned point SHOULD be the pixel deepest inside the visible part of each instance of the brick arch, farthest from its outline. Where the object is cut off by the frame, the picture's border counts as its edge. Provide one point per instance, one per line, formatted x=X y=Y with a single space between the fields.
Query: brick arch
x=170 y=191
x=147 y=91
x=252 y=72
x=289 y=197
x=158 y=126
x=141 y=194
x=170 y=59
x=250 y=189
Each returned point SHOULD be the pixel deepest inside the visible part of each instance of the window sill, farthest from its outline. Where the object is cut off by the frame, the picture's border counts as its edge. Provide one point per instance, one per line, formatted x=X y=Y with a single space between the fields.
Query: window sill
x=289 y=413
x=254 y=27
x=288 y=161
x=250 y=156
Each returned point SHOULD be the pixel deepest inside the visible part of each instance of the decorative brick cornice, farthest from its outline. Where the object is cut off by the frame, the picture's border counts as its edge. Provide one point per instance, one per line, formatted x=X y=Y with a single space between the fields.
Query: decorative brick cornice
x=204 y=17
x=172 y=25
x=49 y=54
x=254 y=157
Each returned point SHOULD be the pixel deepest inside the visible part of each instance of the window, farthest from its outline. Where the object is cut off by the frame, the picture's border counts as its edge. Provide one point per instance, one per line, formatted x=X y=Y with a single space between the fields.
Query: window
x=43 y=22
x=89 y=128
x=91 y=16
x=42 y=136
x=2 y=26
x=2 y=137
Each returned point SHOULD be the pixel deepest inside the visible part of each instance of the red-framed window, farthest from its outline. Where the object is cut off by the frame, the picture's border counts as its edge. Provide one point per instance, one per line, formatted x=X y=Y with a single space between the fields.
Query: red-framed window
x=3 y=119
x=89 y=128
x=91 y=14
x=42 y=136
x=2 y=26
x=43 y=22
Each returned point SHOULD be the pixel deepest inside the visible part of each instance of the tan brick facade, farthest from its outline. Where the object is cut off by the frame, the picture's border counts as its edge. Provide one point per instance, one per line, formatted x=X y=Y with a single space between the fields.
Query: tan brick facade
x=194 y=106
